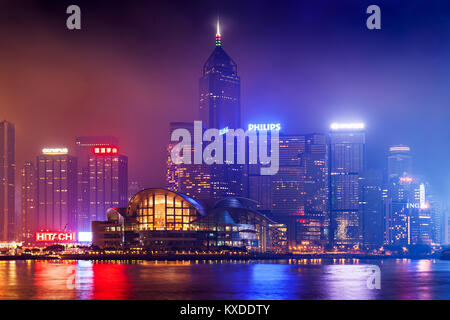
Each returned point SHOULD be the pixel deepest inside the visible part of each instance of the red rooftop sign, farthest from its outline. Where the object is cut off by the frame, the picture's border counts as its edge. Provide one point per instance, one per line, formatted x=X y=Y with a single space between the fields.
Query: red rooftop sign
x=105 y=150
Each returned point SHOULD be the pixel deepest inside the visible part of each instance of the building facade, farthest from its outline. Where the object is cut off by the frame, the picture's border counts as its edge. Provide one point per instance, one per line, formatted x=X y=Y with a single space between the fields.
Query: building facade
x=193 y=180
x=56 y=199
x=84 y=147
x=7 y=182
x=28 y=201
x=166 y=221
x=297 y=195
x=108 y=181
x=346 y=162
x=399 y=162
x=372 y=208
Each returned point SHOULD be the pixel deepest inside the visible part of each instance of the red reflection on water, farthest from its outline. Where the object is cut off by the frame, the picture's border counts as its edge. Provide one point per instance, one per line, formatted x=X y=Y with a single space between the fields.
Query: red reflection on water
x=111 y=281
x=51 y=278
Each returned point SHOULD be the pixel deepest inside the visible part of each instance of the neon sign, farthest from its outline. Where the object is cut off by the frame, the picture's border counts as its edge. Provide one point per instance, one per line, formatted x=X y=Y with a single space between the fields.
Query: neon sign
x=105 y=150
x=55 y=236
x=264 y=127
x=399 y=148
x=55 y=151
x=347 y=126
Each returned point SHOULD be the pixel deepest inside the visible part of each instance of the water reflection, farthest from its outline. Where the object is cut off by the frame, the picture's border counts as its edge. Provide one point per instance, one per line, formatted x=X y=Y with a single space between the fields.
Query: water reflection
x=218 y=279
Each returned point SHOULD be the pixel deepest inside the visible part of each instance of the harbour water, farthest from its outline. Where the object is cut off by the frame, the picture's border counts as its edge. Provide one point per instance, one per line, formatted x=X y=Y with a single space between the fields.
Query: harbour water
x=196 y=280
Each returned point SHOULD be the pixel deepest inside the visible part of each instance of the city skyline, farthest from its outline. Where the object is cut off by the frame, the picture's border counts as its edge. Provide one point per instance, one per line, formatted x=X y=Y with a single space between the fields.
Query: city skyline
x=224 y=155
x=308 y=98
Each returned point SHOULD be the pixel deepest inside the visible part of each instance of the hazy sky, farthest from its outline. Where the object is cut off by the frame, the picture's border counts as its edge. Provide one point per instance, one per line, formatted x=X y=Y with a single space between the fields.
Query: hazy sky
x=135 y=65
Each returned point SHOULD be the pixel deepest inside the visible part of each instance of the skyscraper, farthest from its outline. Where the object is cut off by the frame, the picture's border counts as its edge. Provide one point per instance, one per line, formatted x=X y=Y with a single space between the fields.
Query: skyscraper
x=399 y=162
x=315 y=224
x=346 y=162
x=409 y=217
x=288 y=186
x=297 y=194
x=108 y=181
x=84 y=149
x=56 y=190
x=7 y=186
x=372 y=208
x=192 y=179
x=220 y=108
x=220 y=90
x=446 y=227
x=28 y=201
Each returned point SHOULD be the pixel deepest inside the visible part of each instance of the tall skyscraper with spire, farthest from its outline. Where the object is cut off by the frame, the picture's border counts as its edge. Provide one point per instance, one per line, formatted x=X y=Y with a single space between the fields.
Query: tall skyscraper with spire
x=220 y=90
x=219 y=108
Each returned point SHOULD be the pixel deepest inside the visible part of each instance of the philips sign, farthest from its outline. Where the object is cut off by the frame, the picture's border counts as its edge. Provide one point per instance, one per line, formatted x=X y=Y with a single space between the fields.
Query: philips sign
x=264 y=127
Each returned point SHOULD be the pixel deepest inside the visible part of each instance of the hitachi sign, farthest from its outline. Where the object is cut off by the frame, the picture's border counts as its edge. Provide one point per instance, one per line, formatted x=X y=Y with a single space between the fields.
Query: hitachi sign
x=55 y=236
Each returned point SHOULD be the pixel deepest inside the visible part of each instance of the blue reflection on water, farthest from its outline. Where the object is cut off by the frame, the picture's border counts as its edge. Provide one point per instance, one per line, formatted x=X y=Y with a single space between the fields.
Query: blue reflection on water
x=287 y=280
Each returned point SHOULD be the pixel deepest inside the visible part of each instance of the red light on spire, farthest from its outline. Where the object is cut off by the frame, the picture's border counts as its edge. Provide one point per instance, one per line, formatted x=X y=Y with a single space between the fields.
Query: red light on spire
x=101 y=150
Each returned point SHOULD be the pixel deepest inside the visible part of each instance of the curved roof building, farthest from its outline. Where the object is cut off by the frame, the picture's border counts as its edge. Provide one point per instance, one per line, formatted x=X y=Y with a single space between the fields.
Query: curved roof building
x=160 y=209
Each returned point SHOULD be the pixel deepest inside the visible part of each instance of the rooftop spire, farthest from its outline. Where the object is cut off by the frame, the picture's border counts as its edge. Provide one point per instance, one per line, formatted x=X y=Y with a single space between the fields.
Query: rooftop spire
x=218 y=36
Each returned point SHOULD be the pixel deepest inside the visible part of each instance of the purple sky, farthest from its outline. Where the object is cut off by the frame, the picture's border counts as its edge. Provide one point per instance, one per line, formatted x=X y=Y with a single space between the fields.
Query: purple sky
x=134 y=67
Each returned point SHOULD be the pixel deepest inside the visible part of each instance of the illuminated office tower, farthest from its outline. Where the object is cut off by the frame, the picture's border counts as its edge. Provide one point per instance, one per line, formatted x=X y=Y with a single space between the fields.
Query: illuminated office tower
x=220 y=108
x=192 y=179
x=297 y=195
x=108 y=181
x=7 y=172
x=258 y=186
x=260 y=189
x=56 y=199
x=315 y=225
x=28 y=201
x=436 y=208
x=446 y=227
x=84 y=150
x=288 y=186
x=401 y=205
x=372 y=208
x=346 y=162
x=409 y=216
x=399 y=162
x=220 y=90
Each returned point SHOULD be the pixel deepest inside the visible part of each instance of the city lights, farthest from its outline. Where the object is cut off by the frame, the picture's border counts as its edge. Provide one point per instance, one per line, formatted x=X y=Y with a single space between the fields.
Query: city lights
x=209 y=198
x=55 y=151
x=347 y=126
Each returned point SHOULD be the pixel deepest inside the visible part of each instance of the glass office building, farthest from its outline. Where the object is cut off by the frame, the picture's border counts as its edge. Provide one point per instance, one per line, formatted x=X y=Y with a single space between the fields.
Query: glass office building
x=346 y=162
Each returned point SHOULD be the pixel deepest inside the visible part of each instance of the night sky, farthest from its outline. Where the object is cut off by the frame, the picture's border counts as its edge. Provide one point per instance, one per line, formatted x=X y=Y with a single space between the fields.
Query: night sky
x=135 y=65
